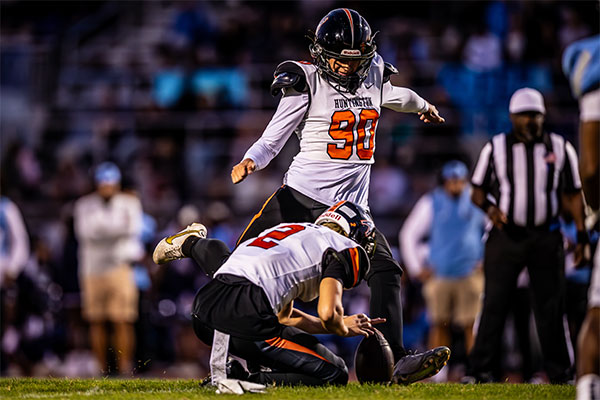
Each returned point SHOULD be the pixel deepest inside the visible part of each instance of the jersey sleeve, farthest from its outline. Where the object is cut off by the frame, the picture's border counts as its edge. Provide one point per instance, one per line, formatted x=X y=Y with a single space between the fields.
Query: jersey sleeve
x=482 y=175
x=416 y=227
x=345 y=265
x=571 y=182
x=402 y=99
x=289 y=115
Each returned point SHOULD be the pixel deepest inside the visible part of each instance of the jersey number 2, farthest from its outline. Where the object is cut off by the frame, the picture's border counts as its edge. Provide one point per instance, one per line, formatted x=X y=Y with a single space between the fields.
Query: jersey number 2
x=275 y=236
x=342 y=128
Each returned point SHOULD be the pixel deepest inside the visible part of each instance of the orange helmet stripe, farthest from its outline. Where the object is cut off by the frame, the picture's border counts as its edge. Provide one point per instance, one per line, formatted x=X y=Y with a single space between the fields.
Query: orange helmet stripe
x=349 y=15
x=336 y=205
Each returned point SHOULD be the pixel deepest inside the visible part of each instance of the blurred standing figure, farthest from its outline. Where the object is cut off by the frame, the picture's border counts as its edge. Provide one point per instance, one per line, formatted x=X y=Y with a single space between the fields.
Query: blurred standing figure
x=581 y=64
x=522 y=180
x=451 y=274
x=14 y=241
x=108 y=225
x=14 y=252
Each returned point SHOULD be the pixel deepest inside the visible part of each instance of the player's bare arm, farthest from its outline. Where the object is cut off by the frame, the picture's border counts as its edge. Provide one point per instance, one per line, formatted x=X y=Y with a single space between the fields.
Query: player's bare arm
x=290 y=316
x=242 y=170
x=331 y=312
x=330 y=309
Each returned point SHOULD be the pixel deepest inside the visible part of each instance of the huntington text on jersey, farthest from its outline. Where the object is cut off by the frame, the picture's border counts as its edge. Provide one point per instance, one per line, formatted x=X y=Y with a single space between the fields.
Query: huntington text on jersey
x=354 y=102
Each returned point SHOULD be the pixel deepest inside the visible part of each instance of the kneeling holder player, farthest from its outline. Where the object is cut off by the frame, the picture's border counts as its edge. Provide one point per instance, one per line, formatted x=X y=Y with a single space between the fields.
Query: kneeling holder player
x=251 y=296
x=247 y=309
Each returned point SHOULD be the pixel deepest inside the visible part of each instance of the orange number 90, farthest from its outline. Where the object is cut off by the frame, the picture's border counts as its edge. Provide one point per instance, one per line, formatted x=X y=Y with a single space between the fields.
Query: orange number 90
x=342 y=128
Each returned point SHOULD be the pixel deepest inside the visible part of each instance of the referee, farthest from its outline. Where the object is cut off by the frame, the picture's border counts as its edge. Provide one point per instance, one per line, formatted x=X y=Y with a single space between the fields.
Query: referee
x=523 y=180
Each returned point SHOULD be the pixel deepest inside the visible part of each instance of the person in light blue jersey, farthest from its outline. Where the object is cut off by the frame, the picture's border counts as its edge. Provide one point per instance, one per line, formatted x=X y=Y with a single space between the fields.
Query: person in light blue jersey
x=581 y=65
x=450 y=271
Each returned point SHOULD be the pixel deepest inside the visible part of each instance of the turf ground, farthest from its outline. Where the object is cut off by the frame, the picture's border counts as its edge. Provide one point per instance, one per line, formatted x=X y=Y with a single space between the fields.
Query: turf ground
x=31 y=388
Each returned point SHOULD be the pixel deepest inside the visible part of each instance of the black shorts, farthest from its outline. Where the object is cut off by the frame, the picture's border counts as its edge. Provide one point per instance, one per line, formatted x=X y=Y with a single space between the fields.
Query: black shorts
x=289 y=205
x=234 y=305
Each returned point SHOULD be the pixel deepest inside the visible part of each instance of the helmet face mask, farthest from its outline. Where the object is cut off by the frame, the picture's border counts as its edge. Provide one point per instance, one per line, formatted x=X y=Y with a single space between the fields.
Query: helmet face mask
x=343 y=35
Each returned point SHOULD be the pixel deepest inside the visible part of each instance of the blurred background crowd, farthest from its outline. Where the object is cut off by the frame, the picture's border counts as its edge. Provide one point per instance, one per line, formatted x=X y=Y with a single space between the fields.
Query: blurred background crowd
x=174 y=92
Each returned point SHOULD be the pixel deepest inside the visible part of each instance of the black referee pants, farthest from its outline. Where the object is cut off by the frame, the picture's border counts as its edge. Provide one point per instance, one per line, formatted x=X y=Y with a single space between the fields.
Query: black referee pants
x=507 y=252
x=289 y=205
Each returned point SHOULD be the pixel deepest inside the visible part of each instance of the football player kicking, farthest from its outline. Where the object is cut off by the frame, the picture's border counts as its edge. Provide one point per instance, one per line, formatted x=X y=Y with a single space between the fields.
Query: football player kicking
x=333 y=105
x=252 y=294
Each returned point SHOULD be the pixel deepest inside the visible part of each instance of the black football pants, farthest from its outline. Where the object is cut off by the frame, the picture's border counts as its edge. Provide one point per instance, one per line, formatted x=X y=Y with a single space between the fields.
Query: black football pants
x=507 y=252
x=289 y=205
x=294 y=358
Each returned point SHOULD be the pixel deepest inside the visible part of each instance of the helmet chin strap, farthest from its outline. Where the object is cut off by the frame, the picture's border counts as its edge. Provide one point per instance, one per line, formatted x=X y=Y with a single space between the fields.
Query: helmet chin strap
x=342 y=84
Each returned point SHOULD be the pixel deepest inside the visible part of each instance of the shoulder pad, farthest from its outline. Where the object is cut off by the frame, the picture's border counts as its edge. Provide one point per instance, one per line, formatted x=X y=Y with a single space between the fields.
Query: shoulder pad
x=388 y=70
x=356 y=265
x=288 y=74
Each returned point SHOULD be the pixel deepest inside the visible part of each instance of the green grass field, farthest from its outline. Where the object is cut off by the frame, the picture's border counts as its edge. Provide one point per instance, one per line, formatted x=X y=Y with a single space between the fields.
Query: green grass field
x=32 y=388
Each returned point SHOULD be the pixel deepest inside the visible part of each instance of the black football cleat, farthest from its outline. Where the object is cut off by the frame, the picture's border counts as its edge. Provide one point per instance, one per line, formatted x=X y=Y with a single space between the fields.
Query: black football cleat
x=417 y=366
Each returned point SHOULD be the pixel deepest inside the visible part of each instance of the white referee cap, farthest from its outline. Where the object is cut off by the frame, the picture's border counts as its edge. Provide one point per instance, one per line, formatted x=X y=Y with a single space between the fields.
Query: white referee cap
x=526 y=99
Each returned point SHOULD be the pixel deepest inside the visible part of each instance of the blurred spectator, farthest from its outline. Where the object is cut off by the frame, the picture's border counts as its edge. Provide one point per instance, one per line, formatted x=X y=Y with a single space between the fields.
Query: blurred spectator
x=218 y=219
x=572 y=27
x=193 y=24
x=388 y=185
x=14 y=241
x=108 y=227
x=450 y=273
x=483 y=51
x=169 y=84
x=14 y=251
x=516 y=181
x=21 y=174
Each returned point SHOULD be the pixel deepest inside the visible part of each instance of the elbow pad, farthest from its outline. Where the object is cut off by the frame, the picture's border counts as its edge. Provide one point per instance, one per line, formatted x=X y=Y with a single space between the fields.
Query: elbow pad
x=388 y=71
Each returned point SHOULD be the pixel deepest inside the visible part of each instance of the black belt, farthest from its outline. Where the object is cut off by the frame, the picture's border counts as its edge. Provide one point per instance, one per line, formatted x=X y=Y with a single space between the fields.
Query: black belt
x=551 y=226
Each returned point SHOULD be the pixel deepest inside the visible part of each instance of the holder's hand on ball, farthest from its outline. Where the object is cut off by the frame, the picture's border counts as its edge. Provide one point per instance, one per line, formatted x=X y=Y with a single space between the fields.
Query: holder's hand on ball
x=361 y=324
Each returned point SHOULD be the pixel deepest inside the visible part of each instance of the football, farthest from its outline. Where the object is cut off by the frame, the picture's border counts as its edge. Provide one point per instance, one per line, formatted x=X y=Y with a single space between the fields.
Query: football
x=373 y=360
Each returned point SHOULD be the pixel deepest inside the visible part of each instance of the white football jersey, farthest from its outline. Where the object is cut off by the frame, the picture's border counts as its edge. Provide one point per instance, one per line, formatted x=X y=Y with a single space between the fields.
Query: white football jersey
x=336 y=131
x=286 y=261
x=340 y=127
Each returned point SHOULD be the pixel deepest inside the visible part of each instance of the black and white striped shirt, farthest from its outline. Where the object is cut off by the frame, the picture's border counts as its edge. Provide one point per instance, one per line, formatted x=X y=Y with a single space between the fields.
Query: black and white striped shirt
x=525 y=179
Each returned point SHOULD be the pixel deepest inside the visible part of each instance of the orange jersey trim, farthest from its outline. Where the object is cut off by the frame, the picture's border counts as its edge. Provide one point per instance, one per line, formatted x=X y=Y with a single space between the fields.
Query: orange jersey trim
x=355 y=264
x=256 y=216
x=286 y=344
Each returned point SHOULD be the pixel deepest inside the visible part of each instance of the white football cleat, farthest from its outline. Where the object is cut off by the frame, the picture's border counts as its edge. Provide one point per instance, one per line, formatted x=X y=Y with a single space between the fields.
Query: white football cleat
x=169 y=248
x=235 y=386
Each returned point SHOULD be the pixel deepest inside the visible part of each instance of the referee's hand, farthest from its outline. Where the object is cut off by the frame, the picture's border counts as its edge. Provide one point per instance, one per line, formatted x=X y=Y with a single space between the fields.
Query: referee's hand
x=497 y=217
x=579 y=255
